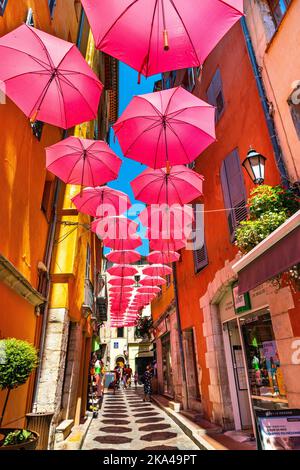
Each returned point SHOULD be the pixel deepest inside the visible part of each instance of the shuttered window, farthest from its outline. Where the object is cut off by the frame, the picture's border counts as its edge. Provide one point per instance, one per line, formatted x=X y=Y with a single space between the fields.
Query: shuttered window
x=234 y=192
x=215 y=94
x=199 y=254
x=3 y=4
x=52 y=5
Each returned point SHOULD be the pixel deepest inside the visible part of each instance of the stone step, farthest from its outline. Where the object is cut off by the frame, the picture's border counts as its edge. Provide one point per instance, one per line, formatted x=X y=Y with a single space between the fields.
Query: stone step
x=63 y=430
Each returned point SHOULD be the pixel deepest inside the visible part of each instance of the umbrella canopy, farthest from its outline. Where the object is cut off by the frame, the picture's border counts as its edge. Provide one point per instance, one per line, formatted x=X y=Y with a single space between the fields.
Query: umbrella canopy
x=162 y=257
x=166 y=245
x=82 y=161
x=177 y=186
x=47 y=78
x=101 y=201
x=175 y=221
x=166 y=128
x=157 y=270
x=122 y=270
x=115 y=227
x=123 y=256
x=120 y=290
x=157 y=36
x=152 y=281
x=121 y=281
x=149 y=290
x=130 y=243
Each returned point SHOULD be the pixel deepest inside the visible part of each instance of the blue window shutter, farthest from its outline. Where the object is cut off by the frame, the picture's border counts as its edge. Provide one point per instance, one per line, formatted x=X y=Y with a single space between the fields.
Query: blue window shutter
x=3 y=4
x=234 y=192
x=200 y=254
x=211 y=95
x=215 y=94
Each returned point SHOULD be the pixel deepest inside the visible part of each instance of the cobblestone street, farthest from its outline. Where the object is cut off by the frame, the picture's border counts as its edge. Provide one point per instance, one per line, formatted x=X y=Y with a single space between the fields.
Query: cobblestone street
x=126 y=422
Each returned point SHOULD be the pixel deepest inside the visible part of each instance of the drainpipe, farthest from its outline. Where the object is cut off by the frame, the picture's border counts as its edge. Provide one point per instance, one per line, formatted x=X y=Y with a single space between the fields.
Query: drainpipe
x=180 y=340
x=264 y=102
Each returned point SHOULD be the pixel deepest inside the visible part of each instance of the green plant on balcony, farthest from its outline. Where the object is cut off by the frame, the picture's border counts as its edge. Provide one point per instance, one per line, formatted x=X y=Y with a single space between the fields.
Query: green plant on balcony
x=143 y=327
x=269 y=207
x=18 y=359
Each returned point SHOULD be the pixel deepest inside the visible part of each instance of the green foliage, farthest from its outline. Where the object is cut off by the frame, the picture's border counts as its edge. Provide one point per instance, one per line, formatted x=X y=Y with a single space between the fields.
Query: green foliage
x=17 y=437
x=143 y=327
x=17 y=360
x=269 y=207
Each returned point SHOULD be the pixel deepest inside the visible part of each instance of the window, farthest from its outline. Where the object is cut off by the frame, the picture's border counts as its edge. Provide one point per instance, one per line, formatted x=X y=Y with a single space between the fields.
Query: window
x=88 y=262
x=120 y=332
x=52 y=5
x=199 y=254
x=116 y=345
x=168 y=279
x=215 y=94
x=46 y=199
x=234 y=191
x=294 y=104
x=3 y=4
x=278 y=9
x=37 y=129
x=29 y=18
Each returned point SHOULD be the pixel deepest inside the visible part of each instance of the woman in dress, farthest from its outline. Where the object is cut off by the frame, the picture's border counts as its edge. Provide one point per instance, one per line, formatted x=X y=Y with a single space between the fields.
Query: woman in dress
x=147 y=380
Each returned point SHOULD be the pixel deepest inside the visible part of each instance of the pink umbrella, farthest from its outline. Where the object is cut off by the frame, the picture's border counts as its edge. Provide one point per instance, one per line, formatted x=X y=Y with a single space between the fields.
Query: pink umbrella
x=121 y=281
x=101 y=201
x=116 y=227
x=162 y=257
x=157 y=36
x=166 y=128
x=130 y=243
x=177 y=186
x=166 y=245
x=123 y=256
x=122 y=270
x=175 y=221
x=152 y=281
x=121 y=289
x=149 y=290
x=157 y=270
x=47 y=78
x=82 y=161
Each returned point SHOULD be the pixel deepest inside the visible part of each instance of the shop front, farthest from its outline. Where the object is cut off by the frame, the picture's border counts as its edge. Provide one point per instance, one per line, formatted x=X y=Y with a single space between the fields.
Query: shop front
x=255 y=375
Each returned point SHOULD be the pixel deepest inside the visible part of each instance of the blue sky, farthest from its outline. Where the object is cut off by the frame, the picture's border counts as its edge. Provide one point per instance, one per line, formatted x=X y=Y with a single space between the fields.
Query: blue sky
x=128 y=87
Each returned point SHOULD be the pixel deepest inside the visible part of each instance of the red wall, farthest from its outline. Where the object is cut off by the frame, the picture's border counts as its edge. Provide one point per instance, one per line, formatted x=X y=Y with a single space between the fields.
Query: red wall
x=241 y=125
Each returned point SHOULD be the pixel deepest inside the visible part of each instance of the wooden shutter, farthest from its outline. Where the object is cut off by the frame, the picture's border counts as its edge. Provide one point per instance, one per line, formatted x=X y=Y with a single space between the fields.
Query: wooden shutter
x=234 y=192
x=215 y=94
x=200 y=255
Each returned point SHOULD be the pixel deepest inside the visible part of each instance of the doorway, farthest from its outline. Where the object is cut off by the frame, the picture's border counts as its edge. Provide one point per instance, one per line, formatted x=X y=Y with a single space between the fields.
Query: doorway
x=237 y=376
x=168 y=387
x=194 y=398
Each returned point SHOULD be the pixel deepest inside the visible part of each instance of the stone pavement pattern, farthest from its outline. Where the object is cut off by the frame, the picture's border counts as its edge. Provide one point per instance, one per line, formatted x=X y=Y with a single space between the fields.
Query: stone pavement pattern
x=125 y=422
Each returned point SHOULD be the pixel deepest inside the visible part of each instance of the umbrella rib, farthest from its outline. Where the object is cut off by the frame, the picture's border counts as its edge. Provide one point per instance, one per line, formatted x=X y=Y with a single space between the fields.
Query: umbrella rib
x=39 y=61
x=174 y=186
x=150 y=128
x=91 y=170
x=181 y=144
x=116 y=21
x=62 y=105
x=158 y=140
x=150 y=37
x=25 y=73
x=72 y=169
x=186 y=30
x=193 y=125
x=43 y=47
x=66 y=81
x=169 y=103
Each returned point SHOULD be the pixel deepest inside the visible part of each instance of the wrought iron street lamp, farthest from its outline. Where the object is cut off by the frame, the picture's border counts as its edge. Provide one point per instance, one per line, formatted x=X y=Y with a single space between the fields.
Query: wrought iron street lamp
x=255 y=166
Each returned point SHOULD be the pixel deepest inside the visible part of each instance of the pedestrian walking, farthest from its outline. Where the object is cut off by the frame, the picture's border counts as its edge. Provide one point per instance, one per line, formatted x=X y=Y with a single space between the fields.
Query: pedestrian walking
x=147 y=380
x=136 y=379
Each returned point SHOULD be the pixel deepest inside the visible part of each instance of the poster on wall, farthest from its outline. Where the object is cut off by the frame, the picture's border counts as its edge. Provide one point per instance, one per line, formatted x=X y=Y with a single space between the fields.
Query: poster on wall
x=279 y=429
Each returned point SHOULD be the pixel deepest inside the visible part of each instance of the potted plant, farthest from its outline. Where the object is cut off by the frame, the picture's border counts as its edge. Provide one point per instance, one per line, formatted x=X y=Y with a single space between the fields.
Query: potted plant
x=143 y=327
x=17 y=361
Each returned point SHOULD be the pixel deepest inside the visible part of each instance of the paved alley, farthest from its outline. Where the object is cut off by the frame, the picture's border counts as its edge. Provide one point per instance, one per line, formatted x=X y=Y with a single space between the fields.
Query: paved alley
x=126 y=422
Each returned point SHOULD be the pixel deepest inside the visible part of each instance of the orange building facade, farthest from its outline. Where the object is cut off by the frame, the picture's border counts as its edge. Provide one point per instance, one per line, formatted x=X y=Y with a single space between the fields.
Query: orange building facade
x=222 y=332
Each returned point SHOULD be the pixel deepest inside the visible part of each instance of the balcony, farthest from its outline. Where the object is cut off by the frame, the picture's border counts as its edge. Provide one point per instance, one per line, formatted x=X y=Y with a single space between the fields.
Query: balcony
x=101 y=299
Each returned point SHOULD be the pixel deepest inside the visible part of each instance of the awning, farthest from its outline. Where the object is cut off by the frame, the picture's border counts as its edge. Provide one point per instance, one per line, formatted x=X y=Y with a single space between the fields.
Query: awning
x=274 y=255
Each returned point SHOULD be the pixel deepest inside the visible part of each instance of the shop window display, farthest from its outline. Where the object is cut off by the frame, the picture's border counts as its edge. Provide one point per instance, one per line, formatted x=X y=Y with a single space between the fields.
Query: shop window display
x=265 y=374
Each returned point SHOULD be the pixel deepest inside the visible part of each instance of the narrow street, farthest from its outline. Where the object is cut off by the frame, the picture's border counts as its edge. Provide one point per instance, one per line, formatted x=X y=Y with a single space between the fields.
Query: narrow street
x=126 y=422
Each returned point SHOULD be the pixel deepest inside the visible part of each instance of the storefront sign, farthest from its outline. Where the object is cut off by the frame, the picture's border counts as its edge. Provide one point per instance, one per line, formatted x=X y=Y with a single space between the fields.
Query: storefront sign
x=279 y=429
x=241 y=302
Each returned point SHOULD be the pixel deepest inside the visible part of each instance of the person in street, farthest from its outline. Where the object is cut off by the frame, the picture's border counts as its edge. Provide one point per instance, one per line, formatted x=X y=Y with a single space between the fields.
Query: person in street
x=128 y=375
x=98 y=377
x=147 y=380
x=136 y=378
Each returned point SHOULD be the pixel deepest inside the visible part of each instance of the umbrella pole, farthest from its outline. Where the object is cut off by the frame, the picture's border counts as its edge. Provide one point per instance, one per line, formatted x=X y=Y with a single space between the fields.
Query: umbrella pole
x=165 y=31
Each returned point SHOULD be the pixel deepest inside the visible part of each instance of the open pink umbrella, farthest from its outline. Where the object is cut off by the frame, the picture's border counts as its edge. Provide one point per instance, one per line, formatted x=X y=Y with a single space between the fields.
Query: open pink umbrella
x=47 y=78
x=148 y=290
x=82 y=161
x=157 y=270
x=116 y=227
x=166 y=128
x=121 y=289
x=166 y=245
x=162 y=257
x=157 y=36
x=175 y=221
x=152 y=281
x=122 y=270
x=123 y=256
x=121 y=281
x=177 y=186
x=101 y=201
x=130 y=243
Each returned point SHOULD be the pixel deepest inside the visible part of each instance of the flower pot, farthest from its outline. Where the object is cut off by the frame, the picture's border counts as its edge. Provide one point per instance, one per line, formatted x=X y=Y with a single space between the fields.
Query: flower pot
x=40 y=423
x=30 y=444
